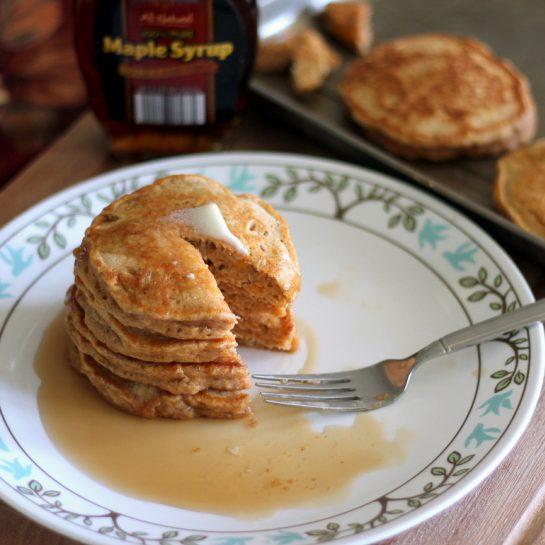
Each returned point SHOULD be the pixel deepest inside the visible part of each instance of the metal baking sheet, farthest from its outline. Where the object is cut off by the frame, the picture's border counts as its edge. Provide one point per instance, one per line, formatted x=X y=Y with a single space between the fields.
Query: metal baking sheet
x=515 y=30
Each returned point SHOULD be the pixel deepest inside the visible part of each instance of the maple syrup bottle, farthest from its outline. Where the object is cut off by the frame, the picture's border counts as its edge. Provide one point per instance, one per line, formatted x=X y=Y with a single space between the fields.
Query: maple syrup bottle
x=165 y=76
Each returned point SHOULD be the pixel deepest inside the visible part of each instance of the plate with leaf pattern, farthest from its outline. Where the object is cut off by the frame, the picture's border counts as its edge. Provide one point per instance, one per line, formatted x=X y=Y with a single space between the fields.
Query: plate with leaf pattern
x=386 y=269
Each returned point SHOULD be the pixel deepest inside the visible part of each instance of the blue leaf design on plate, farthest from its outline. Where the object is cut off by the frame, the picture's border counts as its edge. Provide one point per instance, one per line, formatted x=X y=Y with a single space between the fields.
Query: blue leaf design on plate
x=481 y=434
x=431 y=233
x=14 y=258
x=497 y=402
x=3 y=287
x=15 y=468
x=284 y=537
x=239 y=178
x=233 y=540
x=463 y=254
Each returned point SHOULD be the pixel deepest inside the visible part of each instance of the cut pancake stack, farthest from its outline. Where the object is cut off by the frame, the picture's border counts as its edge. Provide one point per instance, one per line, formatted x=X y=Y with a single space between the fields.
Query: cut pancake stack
x=158 y=303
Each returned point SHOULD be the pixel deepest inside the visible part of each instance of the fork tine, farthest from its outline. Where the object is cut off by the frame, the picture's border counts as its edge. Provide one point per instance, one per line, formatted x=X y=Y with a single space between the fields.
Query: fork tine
x=310 y=397
x=304 y=387
x=348 y=406
x=318 y=379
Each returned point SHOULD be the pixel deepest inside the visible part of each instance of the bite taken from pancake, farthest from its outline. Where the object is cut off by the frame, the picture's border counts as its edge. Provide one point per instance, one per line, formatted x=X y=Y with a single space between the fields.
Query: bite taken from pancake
x=437 y=97
x=167 y=280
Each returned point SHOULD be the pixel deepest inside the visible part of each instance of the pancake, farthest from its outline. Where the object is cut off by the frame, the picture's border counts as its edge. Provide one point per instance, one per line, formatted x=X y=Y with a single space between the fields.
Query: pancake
x=142 y=344
x=176 y=378
x=99 y=298
x=143 y=284
x=141 y=250
x=437 y=97
x=519 y=189
x=150 y=402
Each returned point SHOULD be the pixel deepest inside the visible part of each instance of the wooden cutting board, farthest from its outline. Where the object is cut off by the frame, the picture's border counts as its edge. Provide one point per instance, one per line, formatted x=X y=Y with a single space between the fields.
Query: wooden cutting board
x=507 y=509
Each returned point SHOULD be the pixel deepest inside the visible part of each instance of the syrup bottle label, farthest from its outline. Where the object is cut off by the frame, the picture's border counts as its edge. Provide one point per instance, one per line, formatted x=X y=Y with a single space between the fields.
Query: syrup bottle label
x=175 y=62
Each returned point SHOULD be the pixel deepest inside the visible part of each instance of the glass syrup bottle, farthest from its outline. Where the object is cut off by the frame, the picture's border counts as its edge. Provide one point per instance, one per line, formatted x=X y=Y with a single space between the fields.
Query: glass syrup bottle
x=165 y=76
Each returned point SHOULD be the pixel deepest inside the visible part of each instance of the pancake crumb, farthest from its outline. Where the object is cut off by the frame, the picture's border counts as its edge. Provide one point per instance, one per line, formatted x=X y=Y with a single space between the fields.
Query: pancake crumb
x=252 y=421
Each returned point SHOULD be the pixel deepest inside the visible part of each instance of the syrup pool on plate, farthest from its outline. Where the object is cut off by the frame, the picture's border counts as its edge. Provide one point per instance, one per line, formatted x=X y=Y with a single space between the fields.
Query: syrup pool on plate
x=276 y=457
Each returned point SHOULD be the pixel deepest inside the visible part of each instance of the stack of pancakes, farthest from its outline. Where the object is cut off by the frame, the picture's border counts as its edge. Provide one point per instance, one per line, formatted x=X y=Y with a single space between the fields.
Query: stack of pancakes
x=158 y=305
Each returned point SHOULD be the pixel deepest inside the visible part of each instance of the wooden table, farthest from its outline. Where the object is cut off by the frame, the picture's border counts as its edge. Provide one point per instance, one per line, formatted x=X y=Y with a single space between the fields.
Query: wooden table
x=507 y=509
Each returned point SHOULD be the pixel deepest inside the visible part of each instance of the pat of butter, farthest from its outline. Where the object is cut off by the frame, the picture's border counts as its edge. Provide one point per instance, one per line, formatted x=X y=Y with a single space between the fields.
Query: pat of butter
x=209 y=221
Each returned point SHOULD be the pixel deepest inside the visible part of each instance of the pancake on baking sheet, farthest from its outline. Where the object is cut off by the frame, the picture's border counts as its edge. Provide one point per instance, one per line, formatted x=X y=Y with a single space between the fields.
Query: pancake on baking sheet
x=165 y=279
x=519 y=189
x=435 y=96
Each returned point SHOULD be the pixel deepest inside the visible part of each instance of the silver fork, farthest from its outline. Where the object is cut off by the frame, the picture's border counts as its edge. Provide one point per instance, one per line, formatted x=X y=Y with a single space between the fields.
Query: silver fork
x=380 y=384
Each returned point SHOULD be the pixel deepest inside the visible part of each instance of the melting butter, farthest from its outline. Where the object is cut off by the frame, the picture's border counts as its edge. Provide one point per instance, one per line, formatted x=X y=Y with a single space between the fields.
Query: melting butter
x=209 y=221
x=244 y=468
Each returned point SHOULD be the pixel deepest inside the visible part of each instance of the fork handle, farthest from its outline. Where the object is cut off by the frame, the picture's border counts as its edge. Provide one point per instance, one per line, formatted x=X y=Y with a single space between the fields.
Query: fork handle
x=485 y=331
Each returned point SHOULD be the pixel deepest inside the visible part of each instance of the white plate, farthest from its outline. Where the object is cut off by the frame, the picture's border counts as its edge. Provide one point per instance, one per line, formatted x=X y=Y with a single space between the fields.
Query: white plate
x=409 y=269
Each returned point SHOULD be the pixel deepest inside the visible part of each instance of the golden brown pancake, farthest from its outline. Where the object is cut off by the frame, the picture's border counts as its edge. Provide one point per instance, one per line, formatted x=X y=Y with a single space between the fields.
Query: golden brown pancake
x=436 y=97
x=150 y=273
x=151 y=346
x=139 y=249
x=175 y=377
x=96 y=294
x=151 y=402
x=519 y=189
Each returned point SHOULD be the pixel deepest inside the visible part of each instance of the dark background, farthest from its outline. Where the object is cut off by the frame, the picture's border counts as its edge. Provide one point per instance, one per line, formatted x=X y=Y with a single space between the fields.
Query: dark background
x=41 y=90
